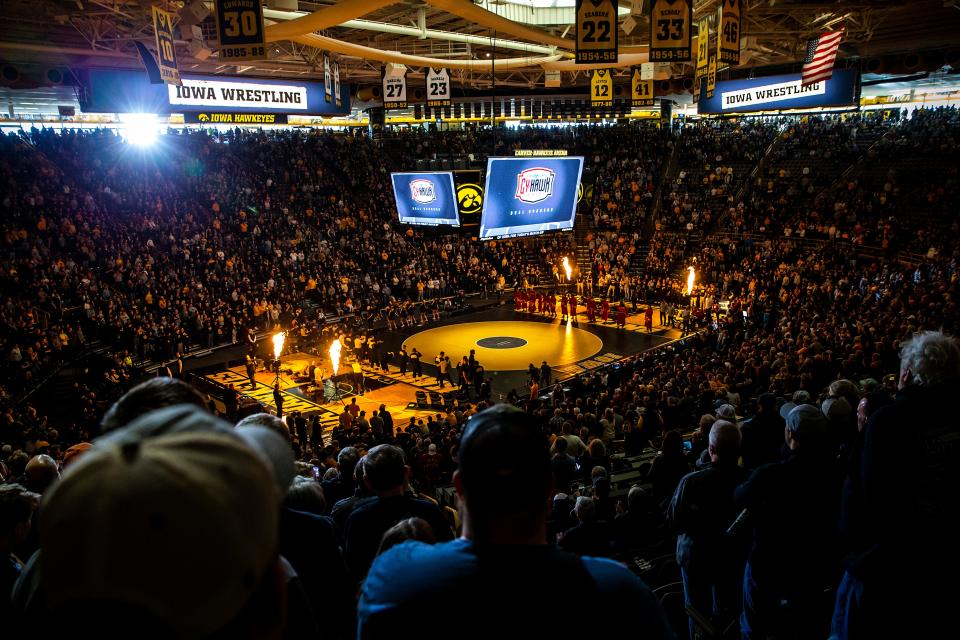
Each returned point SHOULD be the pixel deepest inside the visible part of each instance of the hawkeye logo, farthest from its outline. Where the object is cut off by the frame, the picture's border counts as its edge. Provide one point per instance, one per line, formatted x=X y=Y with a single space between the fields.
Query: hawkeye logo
x=203 y=117
x=470 y=197
x=423 y=191
x=534 y=185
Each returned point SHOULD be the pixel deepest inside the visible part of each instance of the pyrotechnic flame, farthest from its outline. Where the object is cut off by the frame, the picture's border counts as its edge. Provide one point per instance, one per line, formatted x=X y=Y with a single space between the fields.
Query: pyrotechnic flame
x=334 y=352
x=278 y=339
x=690 y=279
x=566 y=267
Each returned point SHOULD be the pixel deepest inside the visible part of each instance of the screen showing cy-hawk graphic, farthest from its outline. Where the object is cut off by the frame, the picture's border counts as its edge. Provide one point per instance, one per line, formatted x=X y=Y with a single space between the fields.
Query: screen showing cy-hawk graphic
x=527 y=196
x=426 y=198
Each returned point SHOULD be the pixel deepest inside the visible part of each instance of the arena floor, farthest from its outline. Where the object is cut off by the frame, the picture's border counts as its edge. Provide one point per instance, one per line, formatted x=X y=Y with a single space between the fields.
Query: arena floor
x=506 y=343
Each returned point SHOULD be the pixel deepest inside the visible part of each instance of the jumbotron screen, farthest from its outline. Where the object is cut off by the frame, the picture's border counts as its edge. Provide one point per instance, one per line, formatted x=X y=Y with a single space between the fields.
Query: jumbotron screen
x=527 y=196
x=426 y=198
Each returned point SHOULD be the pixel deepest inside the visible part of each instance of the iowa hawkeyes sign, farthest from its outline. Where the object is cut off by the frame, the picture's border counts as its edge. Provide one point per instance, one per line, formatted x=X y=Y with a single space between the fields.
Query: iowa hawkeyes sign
x=596 y=31
x=211 y=117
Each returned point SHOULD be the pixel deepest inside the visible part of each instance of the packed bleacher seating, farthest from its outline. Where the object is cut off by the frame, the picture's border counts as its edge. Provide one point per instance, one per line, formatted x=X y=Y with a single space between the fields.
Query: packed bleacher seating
x=768 y=474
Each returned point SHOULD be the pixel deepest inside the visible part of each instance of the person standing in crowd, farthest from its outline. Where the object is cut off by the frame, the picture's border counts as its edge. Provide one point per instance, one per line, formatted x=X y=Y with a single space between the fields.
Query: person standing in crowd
x=504 y=481
x=231 y=401
x=546 y=374
x=900 y=498
x=387 y=475
x=404 y=360
x=416 y=364
x=796 y=499
x=711 y=563
x=251 y=367
x=278 y=399
x=17 y=506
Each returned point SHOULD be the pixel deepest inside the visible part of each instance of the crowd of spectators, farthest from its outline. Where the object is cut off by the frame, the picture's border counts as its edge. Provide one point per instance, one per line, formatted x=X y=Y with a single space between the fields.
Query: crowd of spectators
x=797 y=447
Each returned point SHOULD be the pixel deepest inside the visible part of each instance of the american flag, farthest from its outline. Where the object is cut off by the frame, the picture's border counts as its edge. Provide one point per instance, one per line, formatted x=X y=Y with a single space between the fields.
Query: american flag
x=821 y=54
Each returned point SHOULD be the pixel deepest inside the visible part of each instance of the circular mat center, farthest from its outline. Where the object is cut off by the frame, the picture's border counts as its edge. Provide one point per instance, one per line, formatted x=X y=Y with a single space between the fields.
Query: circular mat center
x=501 y=342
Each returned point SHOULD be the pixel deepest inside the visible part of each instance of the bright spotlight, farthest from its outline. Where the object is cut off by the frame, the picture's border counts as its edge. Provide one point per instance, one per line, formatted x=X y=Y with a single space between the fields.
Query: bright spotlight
x=139 y=128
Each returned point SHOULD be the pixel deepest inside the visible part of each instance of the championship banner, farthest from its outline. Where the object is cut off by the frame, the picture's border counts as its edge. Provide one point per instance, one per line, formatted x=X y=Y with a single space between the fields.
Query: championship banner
x=327 y=79
x=711 y=75
x=601 y=88
x=596 y=31
x=240 y=30
x=166 y=52
x=438 y=87
x=641 y=90
x=336 y=84
x=394 y=90
x=728 y=30
x=211 y=117
x=671 y=22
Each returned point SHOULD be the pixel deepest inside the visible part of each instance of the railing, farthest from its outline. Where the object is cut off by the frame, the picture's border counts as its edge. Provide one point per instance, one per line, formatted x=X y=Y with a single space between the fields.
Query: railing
x=668 y=171
x=762 y=163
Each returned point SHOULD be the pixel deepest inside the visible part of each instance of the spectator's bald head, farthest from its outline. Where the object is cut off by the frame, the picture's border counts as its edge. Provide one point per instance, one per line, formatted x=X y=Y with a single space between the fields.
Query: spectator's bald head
x=41 y=472
x=724 y=441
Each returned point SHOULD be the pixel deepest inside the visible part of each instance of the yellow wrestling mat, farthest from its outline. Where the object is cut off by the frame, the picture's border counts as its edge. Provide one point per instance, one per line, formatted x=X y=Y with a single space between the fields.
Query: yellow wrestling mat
x=507 y=345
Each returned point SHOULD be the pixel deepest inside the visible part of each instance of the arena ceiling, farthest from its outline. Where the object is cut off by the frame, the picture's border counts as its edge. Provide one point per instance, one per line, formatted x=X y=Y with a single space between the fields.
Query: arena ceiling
x=36 y=35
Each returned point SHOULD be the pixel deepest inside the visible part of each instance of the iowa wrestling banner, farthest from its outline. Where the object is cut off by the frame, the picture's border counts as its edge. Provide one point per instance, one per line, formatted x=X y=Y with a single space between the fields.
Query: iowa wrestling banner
x=426 y=198
x=527 y=196
x=782 y=92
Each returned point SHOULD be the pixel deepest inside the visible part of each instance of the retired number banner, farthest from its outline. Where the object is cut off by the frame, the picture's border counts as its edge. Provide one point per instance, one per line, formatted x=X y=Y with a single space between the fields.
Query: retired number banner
x=394 y=91
x=703 y=57
x=166 y=52
x=601 y=88
x=438 y=87
x=240 y=30
x=711 y=76
x=596 y=31
x=327 y=80
x=728 y=31
x=336 y=85
x=641 y=90
x=670 y=24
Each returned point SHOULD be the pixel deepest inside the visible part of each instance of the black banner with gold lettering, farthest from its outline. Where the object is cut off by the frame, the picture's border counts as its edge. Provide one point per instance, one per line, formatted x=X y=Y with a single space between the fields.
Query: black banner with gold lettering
x=240 y=30
x=596 y=31
x=671 y=22
x=219 y=117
